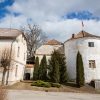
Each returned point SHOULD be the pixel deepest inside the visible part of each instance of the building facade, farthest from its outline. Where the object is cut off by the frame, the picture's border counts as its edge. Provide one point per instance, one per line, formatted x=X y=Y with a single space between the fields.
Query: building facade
x=15 y=41
x=29 y=69
x=47 y=49
x=89 y=47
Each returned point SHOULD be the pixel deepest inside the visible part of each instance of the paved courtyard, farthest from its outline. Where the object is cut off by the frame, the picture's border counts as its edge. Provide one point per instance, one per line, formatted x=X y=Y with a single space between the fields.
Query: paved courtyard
x=27 y=86
x=40 y=95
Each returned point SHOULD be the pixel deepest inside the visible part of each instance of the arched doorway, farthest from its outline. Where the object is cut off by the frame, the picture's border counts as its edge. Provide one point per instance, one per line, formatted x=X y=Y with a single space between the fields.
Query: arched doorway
x=27 y=76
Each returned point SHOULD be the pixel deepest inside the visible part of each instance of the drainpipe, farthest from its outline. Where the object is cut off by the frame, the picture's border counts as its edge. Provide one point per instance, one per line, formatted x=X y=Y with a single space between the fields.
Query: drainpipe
x=10 y=61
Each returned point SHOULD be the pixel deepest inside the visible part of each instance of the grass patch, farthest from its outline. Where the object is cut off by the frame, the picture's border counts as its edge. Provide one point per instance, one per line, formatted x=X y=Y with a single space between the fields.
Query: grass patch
x=40 y=83
x=56 y=85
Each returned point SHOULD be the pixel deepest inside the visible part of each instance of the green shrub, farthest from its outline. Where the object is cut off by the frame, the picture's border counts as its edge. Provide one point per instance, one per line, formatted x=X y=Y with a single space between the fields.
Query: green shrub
x=40 y=83
x=56 y=85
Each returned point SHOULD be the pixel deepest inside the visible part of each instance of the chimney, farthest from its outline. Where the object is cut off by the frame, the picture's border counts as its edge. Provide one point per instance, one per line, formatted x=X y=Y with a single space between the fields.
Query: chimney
x=83 y=33
x=73 y=36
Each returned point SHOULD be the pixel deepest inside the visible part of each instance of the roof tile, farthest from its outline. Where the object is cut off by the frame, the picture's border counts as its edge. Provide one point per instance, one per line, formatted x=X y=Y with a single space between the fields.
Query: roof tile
x=9 y=33
x=53 y=42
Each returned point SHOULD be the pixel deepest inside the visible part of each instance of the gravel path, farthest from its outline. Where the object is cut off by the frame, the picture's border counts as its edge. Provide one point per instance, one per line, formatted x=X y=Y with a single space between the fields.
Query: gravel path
x=40 y=95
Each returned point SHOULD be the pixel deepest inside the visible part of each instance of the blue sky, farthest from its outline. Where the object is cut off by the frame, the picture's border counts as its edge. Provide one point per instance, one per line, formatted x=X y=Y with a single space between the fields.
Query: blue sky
x=3 y=8
x=81 y=15
x=57 y=18
x=3 y=5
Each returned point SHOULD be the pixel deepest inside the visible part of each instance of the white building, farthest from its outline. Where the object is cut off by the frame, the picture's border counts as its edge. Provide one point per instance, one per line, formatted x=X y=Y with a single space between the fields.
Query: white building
x=29 y=69
x=48 y=48
x=15 y=41
x=89 y=47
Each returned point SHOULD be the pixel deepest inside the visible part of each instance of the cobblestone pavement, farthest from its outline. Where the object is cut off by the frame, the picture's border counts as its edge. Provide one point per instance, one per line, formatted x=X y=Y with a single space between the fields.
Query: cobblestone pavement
x=40 y=95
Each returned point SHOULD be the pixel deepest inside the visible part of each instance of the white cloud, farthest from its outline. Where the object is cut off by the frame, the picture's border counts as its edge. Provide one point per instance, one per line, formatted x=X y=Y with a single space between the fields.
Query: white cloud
x=47 y=13
x=2 y=1
x=42 y=9
x=13 y=22
x=62 y=30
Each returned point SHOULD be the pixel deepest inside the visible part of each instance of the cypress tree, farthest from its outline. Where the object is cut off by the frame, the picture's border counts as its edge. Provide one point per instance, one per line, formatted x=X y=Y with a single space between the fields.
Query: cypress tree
x=43 y=69
x=62 y=66
x=57 y=57
x=36 y=68
x=63 y=69
x=79 y=71
x=54 y=73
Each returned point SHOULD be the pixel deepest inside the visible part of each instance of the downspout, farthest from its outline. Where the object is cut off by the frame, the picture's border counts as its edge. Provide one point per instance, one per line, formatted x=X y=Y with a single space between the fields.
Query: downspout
x=10 y=62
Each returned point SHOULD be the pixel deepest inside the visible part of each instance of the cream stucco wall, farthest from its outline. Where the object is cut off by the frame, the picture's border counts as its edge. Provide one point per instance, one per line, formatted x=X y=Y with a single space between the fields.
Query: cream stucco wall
x=46 y=50
x=18 y=62
x=88 y=53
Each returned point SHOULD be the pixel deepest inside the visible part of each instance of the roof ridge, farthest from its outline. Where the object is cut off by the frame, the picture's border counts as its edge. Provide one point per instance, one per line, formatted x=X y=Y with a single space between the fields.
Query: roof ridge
x=7 y=32
x=53 y=42
x=82 y=34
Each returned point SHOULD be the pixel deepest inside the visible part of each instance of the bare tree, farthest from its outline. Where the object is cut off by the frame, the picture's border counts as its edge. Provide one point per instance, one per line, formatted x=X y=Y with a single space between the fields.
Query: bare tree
x=3 y=93
x=5 y=62
x=35 y=38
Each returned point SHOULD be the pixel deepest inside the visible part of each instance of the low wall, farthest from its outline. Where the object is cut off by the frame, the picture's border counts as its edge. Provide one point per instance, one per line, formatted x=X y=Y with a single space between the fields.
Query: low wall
x=97 y=84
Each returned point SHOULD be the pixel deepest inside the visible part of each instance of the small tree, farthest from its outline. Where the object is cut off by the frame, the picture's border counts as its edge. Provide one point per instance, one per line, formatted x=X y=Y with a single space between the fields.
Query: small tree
x=36 y=69
x=3 y=93
x=57 y=57
x=63 y=69
x=43 y=69
x=79 y=71
x=5 y=62
x=54 y=74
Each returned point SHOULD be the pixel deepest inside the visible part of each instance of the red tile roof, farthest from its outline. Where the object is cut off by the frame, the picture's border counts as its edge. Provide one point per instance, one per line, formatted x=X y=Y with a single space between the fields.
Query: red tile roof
x=82 y=34
x=53 y=42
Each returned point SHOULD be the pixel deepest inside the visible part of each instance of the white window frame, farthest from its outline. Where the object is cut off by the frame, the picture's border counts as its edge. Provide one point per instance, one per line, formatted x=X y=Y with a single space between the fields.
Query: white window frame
x=92 y=64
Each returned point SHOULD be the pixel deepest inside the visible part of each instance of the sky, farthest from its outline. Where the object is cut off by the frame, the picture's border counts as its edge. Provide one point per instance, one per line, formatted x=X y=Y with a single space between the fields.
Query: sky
x=58 y=19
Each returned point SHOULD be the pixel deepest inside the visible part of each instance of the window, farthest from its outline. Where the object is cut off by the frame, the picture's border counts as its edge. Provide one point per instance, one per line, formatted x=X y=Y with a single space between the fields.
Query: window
x=91 y=44
x=92 y=64
x=16 y=70
x=18 y=52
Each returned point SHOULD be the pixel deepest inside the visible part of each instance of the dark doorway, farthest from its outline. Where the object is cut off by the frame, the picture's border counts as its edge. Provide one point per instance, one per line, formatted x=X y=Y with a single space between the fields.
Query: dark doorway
x=27 y=76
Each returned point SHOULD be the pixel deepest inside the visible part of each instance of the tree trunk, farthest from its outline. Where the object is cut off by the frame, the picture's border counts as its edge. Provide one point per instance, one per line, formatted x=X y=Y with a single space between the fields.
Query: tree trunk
x=3 y=76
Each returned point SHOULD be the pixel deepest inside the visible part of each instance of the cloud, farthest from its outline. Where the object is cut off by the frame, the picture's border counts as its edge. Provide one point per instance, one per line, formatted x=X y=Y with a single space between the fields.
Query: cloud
x=47 y=9
x=62 y=30
x=48 y=14
x=13 y=22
